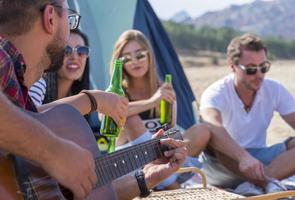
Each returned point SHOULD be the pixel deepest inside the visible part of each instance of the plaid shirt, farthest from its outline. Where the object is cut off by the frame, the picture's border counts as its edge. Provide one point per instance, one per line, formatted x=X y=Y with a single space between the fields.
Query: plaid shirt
x=12 y=68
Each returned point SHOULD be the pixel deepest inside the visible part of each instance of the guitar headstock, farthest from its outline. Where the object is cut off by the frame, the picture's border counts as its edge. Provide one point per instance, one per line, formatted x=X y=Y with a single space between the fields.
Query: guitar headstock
x=173 y=133
x=169 y=132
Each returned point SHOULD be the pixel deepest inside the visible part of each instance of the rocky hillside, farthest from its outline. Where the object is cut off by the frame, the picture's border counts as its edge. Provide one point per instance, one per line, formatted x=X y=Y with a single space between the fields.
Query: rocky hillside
x=266 y=18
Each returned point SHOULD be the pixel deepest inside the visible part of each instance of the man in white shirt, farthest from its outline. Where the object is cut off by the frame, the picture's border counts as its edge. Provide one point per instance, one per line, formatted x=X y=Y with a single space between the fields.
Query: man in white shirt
x=242 y=105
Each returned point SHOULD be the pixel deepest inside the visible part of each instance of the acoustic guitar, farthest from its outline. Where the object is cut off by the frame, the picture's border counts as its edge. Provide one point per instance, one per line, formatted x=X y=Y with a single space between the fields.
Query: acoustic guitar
x=69 y=124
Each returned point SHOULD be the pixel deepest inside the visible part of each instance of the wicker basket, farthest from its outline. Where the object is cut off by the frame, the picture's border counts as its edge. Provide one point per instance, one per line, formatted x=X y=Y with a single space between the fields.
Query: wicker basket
x=210 y=193
x=193 y=194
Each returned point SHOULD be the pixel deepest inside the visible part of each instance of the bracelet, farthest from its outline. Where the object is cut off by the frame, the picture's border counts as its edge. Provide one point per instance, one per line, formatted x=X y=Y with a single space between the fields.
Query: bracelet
x=144 y=191
x=92 y=100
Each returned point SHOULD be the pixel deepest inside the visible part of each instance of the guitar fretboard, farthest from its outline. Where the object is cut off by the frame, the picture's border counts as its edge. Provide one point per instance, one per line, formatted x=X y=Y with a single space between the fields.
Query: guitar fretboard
x=112 y=166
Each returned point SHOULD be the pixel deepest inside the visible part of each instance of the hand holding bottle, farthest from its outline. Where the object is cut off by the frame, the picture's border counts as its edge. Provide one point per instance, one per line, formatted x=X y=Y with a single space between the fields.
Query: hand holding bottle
x=164 y=92
x=166 y=106
x=110 y=127
x=112 y=105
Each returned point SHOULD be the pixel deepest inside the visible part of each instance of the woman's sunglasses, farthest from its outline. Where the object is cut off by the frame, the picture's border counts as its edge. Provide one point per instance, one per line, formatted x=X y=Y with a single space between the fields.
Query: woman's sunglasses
x=252 y=70
x=82 y=51
x=139 y=56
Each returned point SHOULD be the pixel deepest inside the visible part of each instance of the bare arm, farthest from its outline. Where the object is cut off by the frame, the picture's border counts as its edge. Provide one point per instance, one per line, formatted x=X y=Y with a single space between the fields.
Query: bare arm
x=174 y=114
x=290 y=119
x=222 y=142
x=136 y=107
x=22 y=135
x=19 y=128
x=164 y=92
x=107 y=103
x=79 y=101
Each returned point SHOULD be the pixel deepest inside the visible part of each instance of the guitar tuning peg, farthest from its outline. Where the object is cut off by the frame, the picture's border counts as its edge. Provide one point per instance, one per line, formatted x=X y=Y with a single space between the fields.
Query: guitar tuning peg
x=165 y=127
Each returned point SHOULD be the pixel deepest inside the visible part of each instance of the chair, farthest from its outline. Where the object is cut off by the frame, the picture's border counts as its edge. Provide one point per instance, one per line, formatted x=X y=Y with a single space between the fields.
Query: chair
x=209 y=192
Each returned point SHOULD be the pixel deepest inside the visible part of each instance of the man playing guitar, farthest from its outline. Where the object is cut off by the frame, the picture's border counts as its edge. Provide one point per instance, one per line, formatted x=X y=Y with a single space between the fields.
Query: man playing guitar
x=32 y=38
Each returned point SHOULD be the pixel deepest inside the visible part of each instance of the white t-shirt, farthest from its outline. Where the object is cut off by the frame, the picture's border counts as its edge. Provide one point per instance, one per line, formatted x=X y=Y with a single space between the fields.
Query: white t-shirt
x=248 y=129
x=37 y=92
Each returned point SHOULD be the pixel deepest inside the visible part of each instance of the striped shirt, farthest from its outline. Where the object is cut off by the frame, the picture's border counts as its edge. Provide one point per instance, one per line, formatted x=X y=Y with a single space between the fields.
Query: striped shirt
x=38 y=91
x=12 y=69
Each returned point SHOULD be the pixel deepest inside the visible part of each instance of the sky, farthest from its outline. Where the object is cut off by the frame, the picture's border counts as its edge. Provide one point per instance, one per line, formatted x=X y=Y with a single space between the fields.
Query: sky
x=165 y=9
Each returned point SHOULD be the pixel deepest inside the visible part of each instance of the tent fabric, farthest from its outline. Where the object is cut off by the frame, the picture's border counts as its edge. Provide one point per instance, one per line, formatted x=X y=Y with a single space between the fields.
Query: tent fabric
x=167 y=61
x=105 y=20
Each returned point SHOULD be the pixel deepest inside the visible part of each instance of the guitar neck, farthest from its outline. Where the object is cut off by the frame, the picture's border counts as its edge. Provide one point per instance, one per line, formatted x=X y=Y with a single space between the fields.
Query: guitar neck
x=112 y=166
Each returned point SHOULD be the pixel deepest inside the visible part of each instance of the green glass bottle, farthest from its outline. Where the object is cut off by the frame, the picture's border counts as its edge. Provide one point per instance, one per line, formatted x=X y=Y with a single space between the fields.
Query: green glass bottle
x=166 y=107
x=109 y=128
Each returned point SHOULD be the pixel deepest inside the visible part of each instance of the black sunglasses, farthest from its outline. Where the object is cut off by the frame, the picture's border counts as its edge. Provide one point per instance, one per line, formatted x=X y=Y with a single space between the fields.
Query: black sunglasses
x=82 y=51
x=252 y=70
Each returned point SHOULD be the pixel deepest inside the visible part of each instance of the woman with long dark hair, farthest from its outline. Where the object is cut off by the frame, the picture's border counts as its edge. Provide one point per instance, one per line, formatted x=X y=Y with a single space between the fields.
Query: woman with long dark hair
x=70 y=84
x=73 y=76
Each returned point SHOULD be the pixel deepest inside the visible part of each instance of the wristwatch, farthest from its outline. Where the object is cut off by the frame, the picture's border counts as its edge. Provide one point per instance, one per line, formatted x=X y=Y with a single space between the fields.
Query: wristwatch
x=144 y=191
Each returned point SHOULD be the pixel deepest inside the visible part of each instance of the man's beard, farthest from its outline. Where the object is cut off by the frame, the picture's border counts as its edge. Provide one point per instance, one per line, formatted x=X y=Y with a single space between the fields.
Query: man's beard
x=55 y=51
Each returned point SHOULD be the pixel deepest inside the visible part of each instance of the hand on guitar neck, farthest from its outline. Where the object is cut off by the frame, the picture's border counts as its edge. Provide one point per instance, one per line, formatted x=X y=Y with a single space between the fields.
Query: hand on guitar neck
x=158 y=166
x=173 y=159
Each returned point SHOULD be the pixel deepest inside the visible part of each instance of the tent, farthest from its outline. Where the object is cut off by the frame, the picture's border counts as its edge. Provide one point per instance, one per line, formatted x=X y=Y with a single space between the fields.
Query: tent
x=105 y=20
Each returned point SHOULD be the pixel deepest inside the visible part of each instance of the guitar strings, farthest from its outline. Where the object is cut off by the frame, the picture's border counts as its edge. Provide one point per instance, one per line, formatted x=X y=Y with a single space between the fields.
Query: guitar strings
x=37 y=182
x=107 y=164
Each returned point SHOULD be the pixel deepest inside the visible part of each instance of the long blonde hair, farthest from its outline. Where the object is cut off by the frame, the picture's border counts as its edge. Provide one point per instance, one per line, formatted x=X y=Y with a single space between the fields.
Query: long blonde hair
x=124 y=39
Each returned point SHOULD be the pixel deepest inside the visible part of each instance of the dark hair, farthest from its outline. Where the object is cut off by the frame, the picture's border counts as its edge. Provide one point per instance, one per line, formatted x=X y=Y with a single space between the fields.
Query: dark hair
x=78 y=85
x=82 y=84
x=244 y=42
x=18 y=16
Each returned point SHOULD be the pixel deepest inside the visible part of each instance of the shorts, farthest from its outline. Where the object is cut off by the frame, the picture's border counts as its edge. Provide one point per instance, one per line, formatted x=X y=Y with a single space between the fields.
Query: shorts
x=218 y=175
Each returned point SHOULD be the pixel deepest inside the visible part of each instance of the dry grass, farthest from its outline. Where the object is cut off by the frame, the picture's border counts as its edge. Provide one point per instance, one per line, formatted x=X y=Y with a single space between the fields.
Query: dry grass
x=201 y=77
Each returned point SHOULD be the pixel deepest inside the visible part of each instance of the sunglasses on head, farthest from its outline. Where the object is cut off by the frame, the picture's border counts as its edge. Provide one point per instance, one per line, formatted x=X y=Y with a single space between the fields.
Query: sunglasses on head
x=81 y=51
x=252 y=70
x=139 y=56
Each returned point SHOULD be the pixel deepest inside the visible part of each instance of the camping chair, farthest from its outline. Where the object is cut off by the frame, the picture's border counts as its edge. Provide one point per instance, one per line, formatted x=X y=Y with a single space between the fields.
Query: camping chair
x=209 y=192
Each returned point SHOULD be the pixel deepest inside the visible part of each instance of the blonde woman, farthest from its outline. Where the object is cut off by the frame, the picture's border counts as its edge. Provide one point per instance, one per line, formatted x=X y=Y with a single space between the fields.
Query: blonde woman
x=144 y=90
x=142 y=86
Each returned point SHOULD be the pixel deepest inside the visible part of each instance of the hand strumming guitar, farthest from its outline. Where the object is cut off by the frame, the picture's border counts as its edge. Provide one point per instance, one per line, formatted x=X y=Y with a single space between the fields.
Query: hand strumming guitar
x=71 y=165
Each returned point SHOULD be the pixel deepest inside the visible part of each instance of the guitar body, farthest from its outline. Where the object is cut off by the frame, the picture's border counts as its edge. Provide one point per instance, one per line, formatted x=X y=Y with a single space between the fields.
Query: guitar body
x=8 y=184
x=67 y=123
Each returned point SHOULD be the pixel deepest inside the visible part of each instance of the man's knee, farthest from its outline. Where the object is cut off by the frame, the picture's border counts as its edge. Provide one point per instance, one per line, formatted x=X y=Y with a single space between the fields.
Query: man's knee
x=134 y=127
x=200 y=131
x=290 y=143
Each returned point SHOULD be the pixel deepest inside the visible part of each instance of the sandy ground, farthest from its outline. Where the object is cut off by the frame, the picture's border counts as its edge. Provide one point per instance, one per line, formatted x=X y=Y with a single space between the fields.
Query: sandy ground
x=201 y=77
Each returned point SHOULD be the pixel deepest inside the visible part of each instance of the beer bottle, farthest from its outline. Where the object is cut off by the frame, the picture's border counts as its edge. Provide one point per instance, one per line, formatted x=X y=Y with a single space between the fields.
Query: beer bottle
x=109 y=128
x=166 y=107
